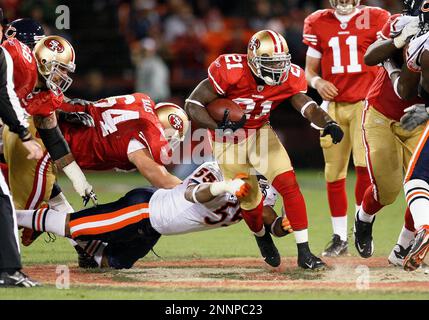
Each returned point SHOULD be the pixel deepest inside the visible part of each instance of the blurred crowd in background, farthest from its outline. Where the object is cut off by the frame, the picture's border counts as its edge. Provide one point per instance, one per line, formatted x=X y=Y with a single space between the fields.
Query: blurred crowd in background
x=163 y=47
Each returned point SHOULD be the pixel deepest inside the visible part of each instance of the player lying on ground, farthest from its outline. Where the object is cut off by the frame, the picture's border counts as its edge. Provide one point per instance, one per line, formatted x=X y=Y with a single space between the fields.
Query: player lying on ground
x=132 y=225
x=259 y=82
x=388 y=146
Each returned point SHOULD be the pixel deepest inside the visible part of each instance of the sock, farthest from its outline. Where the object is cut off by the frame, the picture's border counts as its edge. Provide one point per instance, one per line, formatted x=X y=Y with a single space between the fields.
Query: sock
x=44 y=220
x=301 y=236
x=357 y=208
x=254 y=218
x=337 y=198
x=409 y=221
x=363 y=182
x=293 y=200
x=60 y=203
x=417 y=196
x=339 y=225
x=370 y=206
x=405 y=237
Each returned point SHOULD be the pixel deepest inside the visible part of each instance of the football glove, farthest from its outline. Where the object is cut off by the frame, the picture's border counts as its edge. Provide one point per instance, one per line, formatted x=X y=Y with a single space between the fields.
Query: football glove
x=334 y=130
x=78 y=118
x=227 y=124
x=78 y=101
x=414 y=116
x=403 y=29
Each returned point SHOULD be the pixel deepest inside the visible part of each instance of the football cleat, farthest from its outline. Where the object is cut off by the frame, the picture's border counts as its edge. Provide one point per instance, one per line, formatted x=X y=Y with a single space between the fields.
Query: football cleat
x=18 y=279
x=336 y=247
x=397 y=255
x=268 y=250
x=418 y=250
x=307 y=260
x=363 y=237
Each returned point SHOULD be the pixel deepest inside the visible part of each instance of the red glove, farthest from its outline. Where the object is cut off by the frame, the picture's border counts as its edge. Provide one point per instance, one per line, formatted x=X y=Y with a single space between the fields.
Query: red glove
x=43 y=103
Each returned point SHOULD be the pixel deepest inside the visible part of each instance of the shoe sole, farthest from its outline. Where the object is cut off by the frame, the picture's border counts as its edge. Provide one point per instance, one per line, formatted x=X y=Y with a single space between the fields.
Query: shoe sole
x=415 y=259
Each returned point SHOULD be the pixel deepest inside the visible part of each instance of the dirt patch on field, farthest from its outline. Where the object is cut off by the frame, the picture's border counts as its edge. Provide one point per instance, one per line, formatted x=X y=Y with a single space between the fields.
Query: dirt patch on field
x=347 y=273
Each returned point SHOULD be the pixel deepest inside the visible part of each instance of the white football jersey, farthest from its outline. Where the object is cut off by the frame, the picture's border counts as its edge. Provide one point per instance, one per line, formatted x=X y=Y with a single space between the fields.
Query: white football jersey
x=171 y=213
x=416 y=47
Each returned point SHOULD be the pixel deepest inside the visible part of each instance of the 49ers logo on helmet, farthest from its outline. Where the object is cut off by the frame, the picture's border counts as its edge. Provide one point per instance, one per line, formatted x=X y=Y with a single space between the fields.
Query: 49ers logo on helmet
x=175 y=121
x=54 y=45
x=254 y=44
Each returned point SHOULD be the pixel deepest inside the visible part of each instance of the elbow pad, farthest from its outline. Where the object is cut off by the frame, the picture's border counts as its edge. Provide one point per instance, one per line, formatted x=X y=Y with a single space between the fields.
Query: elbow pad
x=54 y=142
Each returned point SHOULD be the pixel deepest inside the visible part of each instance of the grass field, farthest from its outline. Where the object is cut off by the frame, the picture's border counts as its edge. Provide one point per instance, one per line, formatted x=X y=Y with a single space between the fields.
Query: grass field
x=199 y=252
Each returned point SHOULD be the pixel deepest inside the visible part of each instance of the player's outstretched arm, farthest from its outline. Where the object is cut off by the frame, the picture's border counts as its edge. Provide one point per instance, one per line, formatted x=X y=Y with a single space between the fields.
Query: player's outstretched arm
x=311 y=110
x=60 y=153
x=205 y=192
x=156 y=174
x=202 y=95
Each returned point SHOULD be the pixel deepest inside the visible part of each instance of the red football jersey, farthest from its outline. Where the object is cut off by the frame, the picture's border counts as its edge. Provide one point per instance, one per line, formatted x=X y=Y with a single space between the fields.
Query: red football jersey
x=231 y=77
x=24 y=67
x=382 y=95
x=118 y=120
x=342 y=47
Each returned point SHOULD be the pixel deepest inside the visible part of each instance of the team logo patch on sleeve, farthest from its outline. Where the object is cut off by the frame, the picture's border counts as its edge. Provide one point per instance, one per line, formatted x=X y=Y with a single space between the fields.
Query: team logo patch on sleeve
x=54 y=45
x=175 y=121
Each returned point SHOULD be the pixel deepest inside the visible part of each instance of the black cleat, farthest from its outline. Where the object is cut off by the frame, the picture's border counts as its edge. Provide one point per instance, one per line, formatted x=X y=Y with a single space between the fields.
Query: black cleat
x=268 y=250
x=18 y=279
x=418 y=251
x=336 y=247
x=363 y=237
x=85 y=260
x=307 y=260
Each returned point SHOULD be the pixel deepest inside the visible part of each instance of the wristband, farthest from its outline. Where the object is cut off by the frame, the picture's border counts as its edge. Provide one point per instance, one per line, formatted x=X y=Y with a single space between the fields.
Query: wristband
x=306 y=106
x=25 y=135
x=194 y=193
x=195 y=102
x=76 y=176
x=314 y=80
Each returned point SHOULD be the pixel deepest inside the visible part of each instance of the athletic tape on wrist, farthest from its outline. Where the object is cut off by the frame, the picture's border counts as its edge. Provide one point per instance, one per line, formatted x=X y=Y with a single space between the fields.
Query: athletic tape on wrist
x=195 y=102
x=306 y=106
x=314 y=80
x=194 y=193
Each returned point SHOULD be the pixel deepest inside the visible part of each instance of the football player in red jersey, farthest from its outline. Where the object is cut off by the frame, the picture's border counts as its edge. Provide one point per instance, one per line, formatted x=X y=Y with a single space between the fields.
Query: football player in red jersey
x=12 y=114
x=128 y=132
x=259 y=82
x=337 y=39
x=388 y=145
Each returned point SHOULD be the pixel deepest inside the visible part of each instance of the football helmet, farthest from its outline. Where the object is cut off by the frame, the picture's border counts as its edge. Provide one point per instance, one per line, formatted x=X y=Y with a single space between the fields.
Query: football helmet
x=344 y=7
x=175 y=122
x=55 y=59
x=268 y=57
x=26 y=30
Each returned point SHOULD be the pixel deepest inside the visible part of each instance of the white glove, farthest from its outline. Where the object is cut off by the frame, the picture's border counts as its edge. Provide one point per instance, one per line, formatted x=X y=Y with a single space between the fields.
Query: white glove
x=237 y=187
x=414 y=116
x=403 y=29
x=80 y=184
x=390 y=67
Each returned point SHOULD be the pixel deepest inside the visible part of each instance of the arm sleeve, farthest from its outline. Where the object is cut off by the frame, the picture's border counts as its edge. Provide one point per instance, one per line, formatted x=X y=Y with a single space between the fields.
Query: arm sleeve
x=310 y=37
x=11 y=111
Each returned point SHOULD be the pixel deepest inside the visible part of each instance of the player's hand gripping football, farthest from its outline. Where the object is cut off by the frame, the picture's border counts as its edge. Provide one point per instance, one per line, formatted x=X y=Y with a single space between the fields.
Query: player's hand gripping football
x=236 y=186
x=414 y=116
x=78 y=118
x=334 y=130
x=226 y=123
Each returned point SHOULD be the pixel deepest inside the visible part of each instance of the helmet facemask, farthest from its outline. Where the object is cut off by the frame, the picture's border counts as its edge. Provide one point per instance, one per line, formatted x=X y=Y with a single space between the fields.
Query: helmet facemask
x=344 y=8
x=273 y=70
x=55 y=74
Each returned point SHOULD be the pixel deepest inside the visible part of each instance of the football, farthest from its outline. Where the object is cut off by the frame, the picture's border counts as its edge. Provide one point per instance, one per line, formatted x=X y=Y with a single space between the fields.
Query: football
x=216 y=109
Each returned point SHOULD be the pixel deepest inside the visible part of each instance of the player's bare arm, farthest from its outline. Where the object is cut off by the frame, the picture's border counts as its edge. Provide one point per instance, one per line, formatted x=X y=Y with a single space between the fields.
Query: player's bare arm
x=424 y=61
x=380 y=51
x=155 y=173
x=202 y=95
x=326 y=89
x=311 y=110
x=404 y=81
